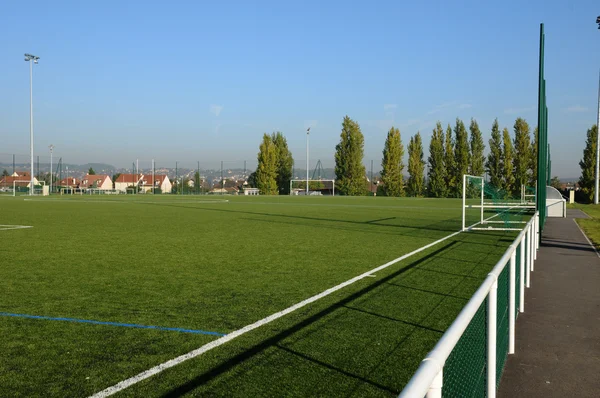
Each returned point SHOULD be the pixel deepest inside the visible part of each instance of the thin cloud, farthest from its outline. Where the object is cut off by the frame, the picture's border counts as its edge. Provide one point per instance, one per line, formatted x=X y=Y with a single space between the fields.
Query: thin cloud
x=388 y=107
x=454 y=105
x=576 y=109
x=215 y=109
x=515 y=111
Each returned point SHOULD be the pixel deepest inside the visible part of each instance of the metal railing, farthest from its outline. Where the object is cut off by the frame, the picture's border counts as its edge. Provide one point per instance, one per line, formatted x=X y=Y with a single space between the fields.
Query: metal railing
x=428 y=380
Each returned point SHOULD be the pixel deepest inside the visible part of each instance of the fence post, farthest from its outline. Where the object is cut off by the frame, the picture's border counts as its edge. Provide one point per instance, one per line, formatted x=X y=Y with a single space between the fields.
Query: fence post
x=528 y=256
x=533 y=239
x=522 y=275
x=511 y=302
x=491 y=339
x=536 y=240
x=435 y=390
x=464 y=198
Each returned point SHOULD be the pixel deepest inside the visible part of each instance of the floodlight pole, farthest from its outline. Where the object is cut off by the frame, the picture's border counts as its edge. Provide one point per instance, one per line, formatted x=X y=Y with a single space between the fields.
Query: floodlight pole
x=597 y=137
x=597 y=145
x=307 y=152
x=31 y=59
x=51 y=149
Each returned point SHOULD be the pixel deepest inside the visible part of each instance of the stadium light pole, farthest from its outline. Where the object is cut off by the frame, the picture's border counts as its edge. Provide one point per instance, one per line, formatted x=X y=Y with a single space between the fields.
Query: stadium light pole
x=51 y=147
x=32 y=59
x=307 y=135
x=597 y=136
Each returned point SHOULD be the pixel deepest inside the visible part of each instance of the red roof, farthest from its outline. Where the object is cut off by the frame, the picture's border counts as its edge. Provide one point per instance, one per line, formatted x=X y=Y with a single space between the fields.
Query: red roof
x=129 y=178
x=158 y=179
x=89 y=180
x=68 y=182
x=9 y=181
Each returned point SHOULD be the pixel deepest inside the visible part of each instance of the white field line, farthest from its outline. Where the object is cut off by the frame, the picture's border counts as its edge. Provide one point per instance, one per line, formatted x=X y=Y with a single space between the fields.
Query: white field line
x=131 y=201
x=222 y=340
x=249 y=202
x=8 y=227
x=586 y=238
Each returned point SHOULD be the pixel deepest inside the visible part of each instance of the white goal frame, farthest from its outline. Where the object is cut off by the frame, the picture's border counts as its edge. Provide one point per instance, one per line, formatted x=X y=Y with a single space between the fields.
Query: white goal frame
x=332 y=181
x=484 y=224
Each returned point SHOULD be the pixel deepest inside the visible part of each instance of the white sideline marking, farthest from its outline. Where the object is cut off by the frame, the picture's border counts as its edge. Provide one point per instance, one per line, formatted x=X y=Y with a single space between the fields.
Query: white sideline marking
x=586 y=238
x=8 y=227
x=129 y=201
x=228 y=337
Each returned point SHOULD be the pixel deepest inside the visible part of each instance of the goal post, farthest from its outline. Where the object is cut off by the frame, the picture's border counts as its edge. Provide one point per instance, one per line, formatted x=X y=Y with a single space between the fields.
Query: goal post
x=472 y=197
x=504 y=210
x=315 y=187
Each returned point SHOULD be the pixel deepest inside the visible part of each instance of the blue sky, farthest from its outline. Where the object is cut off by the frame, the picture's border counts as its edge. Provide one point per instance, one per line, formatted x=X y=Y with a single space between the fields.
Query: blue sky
x=199 y=80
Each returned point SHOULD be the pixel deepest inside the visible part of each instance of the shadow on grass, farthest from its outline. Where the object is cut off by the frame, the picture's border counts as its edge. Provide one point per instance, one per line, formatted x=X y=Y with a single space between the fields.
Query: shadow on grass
x=447 y=225
x=275 y=340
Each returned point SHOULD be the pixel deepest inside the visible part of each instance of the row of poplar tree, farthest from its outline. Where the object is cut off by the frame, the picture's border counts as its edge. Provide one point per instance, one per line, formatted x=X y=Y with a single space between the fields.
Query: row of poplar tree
x=511 y=161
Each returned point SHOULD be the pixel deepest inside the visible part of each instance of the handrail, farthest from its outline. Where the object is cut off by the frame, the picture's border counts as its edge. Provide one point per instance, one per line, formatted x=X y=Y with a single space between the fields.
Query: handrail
x=434 y=361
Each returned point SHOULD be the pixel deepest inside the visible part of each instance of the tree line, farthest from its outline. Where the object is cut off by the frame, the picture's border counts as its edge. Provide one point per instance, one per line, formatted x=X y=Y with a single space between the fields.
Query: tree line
x=510 y=163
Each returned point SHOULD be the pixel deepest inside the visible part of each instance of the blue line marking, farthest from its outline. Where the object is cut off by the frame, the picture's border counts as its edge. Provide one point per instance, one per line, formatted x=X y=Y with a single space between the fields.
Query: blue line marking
x=127 y=325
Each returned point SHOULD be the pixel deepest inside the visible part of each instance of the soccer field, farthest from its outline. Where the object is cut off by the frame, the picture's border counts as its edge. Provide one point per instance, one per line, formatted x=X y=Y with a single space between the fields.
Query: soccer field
x=101 y=288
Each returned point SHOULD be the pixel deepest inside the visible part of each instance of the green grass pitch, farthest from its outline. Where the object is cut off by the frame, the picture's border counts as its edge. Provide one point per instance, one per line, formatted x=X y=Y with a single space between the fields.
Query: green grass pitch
x=202 y=263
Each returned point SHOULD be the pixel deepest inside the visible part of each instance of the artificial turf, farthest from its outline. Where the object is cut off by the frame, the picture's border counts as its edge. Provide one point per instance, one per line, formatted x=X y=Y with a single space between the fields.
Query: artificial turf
x=218 y=264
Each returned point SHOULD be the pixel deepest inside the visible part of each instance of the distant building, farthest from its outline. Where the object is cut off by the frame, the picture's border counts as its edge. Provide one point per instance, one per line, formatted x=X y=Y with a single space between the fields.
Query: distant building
x=161 y=181
x=18 y=179
x=127 y=180
x=96 y=181
x=69 y=182
x=251 y=191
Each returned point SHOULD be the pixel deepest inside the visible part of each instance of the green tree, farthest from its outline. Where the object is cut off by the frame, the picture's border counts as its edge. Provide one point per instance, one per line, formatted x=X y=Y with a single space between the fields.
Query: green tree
x=285 y=162
x=349 y=169
x=534 y=152
x=416 y=166
x=477 y=148
x=197 y=182
x=114 y=178
x=588 y=164
x=266 y=172
x=508 y=168
x=437 y=169
x=252 y=182
x=493 y=164
x=522 y=146
x=461 y=154
x=91 y=171
x=555 y=182
x=5 y=173
x=450 y=163
x=392 y=164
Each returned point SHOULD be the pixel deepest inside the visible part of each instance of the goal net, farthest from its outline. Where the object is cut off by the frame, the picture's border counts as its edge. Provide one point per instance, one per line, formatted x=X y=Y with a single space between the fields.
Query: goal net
x=315 y=187
x=486 y=207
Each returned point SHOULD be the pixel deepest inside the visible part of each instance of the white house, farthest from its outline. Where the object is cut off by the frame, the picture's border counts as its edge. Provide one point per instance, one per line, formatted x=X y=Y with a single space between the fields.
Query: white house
x=161 y=181
x=96 y=181
x=127 y=180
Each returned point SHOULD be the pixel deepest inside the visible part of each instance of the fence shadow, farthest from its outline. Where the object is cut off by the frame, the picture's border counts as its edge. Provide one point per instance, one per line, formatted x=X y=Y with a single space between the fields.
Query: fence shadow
x=275 y=340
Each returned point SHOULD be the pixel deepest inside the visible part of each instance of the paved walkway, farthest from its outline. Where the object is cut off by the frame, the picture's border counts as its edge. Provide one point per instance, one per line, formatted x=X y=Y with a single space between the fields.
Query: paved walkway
x=558 y=335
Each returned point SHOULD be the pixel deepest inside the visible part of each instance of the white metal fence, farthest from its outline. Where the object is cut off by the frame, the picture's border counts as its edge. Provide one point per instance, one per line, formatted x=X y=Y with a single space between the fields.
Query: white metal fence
x=428 y=380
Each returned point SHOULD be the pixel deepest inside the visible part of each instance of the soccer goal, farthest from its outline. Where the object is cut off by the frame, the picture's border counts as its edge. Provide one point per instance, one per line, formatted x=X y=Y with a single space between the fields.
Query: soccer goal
x=485 y=207
x=315 y=187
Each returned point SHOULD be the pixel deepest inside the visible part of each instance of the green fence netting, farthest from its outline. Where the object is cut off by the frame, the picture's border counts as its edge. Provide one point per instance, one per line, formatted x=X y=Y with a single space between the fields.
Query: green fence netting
x=465 y=368
x=502 y=322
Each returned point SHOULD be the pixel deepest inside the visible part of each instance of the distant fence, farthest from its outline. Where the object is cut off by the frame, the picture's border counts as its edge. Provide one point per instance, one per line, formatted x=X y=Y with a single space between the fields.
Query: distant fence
x=469 y=358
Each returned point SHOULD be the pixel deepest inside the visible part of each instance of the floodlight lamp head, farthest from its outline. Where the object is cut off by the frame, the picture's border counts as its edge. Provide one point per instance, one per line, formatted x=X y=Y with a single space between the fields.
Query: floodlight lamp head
x=308 y=130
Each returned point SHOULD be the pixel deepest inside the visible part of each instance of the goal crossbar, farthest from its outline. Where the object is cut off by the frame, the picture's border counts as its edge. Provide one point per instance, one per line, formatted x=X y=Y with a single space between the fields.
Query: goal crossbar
x=523 y=203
